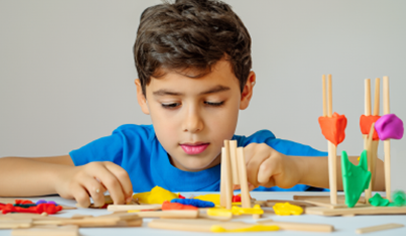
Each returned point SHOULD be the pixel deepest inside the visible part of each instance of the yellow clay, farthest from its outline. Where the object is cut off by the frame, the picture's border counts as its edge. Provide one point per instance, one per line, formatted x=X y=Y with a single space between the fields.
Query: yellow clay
x=157 y=196
x=219 y=212
x=214 y=198
x=254 y=228
x=256 y=210
x=285 y=209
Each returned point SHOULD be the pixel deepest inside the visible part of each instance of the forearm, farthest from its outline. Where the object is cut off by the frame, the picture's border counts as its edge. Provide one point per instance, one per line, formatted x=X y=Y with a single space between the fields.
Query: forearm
x=315 y=172
x=28 y=177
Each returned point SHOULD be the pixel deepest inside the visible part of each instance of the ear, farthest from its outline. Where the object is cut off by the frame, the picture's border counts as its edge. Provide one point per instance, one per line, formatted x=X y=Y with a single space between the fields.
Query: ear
x=142 y=100
x=246 y=94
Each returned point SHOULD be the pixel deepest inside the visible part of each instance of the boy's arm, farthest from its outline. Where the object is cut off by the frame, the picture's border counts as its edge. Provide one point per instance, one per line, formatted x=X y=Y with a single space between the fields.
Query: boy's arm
x=267 y=167
x=21 y=176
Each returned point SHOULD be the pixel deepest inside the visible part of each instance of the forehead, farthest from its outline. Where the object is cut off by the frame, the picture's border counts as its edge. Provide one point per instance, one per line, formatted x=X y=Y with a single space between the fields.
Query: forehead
x=220 y=73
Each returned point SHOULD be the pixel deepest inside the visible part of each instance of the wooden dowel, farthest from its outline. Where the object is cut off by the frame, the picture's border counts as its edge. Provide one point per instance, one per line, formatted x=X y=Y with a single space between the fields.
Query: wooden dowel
x=233 y=158
x=386 y=143
x=228 y=175
x=370 y=157
x=324 y=96
x=332 y=169
x=134 y=207
x=299 y=226
x=330 y=96
x=378 y=228
x=376 y=97
x=367 y=97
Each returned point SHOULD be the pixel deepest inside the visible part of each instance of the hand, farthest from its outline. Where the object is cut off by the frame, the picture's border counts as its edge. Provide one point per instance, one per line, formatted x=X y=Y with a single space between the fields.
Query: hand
x=92 y=180
x=268 y=168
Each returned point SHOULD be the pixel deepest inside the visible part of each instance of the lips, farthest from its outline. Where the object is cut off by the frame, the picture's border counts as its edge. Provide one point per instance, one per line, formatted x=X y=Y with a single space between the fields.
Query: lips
x=193 y=149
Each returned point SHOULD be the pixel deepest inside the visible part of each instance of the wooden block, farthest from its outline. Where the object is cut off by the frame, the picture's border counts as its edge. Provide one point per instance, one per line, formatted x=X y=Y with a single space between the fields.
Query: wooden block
x=357 y=210
x=378 y=228
x=299 y=226
x=126 y=208
x=226 y=177
x=178 y=214
x=68 y=230
x=245 y=194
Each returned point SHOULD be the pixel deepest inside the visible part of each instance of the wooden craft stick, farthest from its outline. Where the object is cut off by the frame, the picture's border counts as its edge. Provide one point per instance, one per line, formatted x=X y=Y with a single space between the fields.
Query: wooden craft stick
x=324 y=96
x=225 y=160
x=370 y=157
x=68 y=230
x=386 y=143
x=299 y=226
x=125 y=208
x=378 y=228
x=330 y=96
x=367 y=97
x=15 y=224
x=170 y=214
x=245 y=195
x=233 y=157
x=357 y=210
x=376 y=97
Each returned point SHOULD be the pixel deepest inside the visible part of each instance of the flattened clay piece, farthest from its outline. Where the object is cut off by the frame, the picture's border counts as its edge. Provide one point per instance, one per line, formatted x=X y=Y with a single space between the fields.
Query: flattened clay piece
x=365 y=123
x=355 y=178
x=377 y=200
x=333 y=128
x=389 y=127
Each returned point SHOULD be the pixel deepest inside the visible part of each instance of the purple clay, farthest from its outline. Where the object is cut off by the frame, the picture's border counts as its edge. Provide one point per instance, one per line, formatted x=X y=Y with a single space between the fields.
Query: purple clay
x=41 y=201
x=52 y=202
x=389 y=127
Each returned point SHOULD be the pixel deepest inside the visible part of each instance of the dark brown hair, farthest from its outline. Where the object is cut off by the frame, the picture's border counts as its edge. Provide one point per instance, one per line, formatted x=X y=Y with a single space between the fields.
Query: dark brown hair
x=191 y=34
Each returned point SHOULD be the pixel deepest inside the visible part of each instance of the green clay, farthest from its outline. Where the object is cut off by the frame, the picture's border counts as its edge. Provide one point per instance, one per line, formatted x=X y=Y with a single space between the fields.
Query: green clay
x=355 y=178
x=377 y=200
x=399 y=199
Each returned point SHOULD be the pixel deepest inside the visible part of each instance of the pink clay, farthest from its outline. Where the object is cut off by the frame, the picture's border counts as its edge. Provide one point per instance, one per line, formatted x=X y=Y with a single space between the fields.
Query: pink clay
x=389 y=127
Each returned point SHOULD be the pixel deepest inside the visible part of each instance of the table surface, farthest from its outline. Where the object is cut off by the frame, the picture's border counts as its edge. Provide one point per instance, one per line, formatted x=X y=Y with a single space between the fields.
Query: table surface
x=342 y=225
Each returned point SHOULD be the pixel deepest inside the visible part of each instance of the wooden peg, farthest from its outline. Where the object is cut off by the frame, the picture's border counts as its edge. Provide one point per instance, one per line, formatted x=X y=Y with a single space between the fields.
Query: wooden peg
x=245 y=195
x=386 y=143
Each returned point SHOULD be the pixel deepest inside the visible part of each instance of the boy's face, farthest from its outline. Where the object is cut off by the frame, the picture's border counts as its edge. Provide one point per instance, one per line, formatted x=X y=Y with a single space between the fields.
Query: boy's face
x=193 y=116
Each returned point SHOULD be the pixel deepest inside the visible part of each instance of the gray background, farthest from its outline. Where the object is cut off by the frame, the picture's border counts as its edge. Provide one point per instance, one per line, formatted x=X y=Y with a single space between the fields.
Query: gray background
x=66 y=70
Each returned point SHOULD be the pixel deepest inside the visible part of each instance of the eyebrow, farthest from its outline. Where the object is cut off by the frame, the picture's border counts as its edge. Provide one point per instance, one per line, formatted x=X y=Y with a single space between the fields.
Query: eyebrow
x=216 y=89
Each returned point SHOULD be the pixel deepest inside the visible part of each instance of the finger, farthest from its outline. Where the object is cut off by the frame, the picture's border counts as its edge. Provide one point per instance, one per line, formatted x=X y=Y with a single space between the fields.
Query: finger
x=112 y=184
x=96 y=191
x=123 y=178
x=267 y=173
x=256 y=157
x=81 y=196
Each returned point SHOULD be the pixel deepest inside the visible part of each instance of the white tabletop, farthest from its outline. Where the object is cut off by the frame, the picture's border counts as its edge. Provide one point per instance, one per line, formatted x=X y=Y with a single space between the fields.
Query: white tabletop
x=342 y=225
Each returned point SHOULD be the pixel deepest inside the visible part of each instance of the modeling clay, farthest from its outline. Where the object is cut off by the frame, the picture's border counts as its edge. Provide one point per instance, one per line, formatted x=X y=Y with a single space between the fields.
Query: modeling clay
x=355 y=178
x=214 y=198
x=333 y=128
x=254 y=228
x=193 y=202
x=38 y=209
x=377 y=200
x=256 y=210
x=236 y=198
x=286 y=209
x=389 y=127
x=365 y=123
x=220 y=212
x=399 y=199
x=176 y=206
x=157 y=196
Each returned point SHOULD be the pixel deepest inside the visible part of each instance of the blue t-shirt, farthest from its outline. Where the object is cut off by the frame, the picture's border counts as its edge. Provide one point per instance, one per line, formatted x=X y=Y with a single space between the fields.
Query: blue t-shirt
x=137 y=149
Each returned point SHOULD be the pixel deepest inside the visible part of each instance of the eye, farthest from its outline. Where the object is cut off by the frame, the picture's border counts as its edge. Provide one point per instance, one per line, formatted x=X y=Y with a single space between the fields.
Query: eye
x=170 y=105
x=214 y=104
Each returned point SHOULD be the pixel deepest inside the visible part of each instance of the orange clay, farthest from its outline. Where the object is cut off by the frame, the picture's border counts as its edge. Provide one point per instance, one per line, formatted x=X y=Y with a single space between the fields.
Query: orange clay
x=365 y=123
x=176 y=206
x=333 y=128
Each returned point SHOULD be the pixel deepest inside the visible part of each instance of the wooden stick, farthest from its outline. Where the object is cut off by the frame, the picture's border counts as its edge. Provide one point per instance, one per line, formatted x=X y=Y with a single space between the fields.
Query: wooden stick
x=386 y=143
x=68 y=230
x=330 y=96
x=225 y=160
x=115 y=208
x=370 y=157
x=361 y=210
x=245 y=194
x=233 y=157
x=324 y=96
x=299 y=226
x=170 y=214
x=15 y=224
x=367 y=102
x=378 y=228
x=376 y=97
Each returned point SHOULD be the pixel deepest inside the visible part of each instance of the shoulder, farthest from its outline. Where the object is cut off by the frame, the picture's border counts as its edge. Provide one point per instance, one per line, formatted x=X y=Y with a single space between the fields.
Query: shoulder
x=261 y=136
x=145 y=132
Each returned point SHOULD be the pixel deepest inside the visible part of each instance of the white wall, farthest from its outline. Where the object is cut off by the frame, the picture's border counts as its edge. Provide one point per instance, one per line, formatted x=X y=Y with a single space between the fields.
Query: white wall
x=66 y=69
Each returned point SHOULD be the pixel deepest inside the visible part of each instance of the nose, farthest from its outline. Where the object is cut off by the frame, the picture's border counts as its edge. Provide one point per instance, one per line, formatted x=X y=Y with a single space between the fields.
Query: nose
x=193 y=122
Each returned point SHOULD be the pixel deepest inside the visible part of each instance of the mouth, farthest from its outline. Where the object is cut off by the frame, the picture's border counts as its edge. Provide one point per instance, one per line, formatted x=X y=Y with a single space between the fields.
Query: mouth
x=194 y=148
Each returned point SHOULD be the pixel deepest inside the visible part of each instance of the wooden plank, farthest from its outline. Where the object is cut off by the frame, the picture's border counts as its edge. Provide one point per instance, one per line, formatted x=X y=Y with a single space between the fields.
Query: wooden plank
x=126 y=208
x=15 y=224
x=271 y=203
x=378 y=228
x=299 y=226
x=178 y=214
x=357 y=210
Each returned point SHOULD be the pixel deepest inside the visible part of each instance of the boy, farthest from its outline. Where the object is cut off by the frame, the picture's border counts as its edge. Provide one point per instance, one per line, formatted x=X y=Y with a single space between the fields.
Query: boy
x=193 y=59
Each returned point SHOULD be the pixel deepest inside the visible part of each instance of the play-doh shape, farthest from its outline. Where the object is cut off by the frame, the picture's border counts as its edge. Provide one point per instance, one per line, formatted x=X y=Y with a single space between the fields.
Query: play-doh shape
x=333 y=128
x=285 y=209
